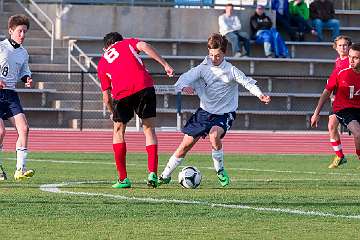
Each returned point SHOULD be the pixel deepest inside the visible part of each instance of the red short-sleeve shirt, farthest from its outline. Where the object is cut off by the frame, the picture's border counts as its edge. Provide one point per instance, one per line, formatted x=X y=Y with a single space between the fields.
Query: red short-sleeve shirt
x=122 y=70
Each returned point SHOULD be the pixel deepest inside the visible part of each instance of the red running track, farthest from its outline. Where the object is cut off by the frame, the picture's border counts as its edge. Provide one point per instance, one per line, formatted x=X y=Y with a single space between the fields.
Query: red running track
x=234 y=142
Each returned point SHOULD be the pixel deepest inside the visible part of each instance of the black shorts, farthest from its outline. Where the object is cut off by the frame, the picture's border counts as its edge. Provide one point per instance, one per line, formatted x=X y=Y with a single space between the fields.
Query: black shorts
x=202 y=121
x=347 y=115
x=9 y=104
x=143 y=103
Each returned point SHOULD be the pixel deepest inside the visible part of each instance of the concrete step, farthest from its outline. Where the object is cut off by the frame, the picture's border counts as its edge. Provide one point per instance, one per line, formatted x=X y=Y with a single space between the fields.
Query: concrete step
x=96 y=123
x=52 y=67
x=41 y=42
x=46 y=50
x=58 y=59
x=67 y=86
x=60 y=77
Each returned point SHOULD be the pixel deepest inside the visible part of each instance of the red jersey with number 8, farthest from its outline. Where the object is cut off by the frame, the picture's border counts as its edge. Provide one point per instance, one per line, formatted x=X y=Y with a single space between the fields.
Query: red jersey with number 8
x=122 y=70
x=347 y=87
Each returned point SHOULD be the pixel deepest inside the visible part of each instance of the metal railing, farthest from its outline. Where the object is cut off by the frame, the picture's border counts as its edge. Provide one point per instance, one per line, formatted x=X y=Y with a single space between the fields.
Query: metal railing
x=50 y=34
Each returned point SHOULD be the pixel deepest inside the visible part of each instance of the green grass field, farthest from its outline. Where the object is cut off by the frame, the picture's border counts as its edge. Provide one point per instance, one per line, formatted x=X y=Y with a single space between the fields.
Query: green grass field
x=270 y=197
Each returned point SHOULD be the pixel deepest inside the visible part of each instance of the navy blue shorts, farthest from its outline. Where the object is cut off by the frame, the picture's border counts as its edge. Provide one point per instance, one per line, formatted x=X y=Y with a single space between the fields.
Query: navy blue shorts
x=201 y=122
x=9 y=104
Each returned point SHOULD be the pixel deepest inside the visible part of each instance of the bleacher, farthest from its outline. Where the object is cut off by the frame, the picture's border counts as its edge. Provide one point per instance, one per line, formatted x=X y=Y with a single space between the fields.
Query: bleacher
x=293 y=83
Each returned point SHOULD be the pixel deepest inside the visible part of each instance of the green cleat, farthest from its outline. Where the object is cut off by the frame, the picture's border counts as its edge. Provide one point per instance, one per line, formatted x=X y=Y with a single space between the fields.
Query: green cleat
x=122 y=184
x=152 y=180
x=337 y=162
x=223 y=178
x=163 y=180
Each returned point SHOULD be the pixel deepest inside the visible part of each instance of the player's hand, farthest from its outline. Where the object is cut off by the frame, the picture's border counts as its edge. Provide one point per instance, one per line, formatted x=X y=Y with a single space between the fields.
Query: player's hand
x=169 y=70
x=188 y=90
x=28 y=83
x=2 y=84
x=265 y=99
x=314 y=120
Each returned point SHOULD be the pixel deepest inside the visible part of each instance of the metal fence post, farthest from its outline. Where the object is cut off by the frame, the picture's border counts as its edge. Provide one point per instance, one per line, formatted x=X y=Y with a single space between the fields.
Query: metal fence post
x=82 y=101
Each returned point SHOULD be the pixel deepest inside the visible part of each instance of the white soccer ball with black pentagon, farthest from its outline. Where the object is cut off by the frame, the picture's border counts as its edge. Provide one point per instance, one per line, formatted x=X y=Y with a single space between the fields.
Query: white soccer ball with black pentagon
x=190 y=177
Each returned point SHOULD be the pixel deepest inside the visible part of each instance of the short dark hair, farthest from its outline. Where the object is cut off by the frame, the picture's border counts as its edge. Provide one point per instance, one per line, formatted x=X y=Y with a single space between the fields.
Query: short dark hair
x=216 y=41
x=18 y=20
x=112 y=38
x=355 y=47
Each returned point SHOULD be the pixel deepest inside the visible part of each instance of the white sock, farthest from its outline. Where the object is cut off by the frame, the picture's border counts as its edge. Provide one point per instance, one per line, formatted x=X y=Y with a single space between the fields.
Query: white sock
x=218 y=158
x=21 y=156
x=171 y=166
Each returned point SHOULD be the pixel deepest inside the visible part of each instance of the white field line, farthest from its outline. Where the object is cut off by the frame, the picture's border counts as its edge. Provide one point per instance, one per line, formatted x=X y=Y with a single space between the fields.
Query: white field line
x=54 y=188
x=211 y=168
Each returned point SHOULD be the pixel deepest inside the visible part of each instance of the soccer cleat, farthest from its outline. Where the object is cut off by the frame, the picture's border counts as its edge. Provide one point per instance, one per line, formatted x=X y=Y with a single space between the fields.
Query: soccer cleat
x=223 y=178
x=163 y=180
x=337 y=162
x=2 y=174
x=23 y=174
x=122 y=184
x=152 y=180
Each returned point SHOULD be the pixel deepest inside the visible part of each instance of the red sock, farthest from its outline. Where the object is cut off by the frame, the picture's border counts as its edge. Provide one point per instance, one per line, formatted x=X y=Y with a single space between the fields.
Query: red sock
x=337 y=147
x=152 y=158
x=358 y=153
x=120 y=159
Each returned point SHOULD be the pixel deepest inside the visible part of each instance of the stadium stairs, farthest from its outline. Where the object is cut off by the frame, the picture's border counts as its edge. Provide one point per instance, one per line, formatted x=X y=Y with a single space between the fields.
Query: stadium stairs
x=293 y=83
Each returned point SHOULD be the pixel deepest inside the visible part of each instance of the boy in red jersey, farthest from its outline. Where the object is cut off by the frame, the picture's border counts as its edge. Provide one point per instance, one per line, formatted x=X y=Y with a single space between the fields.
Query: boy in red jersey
x=346 y=105
x=341 y=45
x=127 y=88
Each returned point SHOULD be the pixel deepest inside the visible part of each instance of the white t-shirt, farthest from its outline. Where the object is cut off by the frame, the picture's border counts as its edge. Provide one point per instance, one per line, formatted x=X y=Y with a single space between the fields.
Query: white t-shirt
x=14 y=64
x=228 y=24
x=217 y=86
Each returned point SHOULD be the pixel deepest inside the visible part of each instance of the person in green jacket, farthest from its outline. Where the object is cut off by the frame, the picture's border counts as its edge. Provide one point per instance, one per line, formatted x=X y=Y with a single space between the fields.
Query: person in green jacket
x=299 y=17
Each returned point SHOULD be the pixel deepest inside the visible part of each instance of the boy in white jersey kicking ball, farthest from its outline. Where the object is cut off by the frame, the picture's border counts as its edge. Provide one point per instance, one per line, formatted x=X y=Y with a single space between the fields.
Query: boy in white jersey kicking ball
x=216 y=82
x=13 y=68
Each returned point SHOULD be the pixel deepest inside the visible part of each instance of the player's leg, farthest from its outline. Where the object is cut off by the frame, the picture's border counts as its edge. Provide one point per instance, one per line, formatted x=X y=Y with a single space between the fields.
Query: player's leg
x=177 y=158
x=220 y=125
x=122 y=114
x=119 y=148
x=144 y=103
x=22 y=128
x=354 y=127
x=218 y=154
x=335 y=141
x=152 y=150
x=2 y=135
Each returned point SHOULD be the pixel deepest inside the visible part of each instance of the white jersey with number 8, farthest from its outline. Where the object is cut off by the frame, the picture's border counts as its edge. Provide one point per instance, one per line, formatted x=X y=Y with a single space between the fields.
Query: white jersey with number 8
x=13 y=63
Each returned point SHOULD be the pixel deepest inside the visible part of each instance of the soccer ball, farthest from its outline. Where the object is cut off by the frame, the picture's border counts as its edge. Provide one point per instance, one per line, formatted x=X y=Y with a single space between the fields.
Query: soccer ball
x=190 y=177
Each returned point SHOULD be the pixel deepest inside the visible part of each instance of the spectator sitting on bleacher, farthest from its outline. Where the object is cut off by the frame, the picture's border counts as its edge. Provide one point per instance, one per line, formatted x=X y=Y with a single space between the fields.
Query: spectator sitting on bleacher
x=230 y=26
x=263 y=32
x=299 y=16
x=281 y=7
x=322 y=14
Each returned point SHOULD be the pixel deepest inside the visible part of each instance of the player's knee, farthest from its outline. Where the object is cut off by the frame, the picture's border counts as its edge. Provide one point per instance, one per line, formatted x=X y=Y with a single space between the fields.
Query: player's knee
x=23 y=130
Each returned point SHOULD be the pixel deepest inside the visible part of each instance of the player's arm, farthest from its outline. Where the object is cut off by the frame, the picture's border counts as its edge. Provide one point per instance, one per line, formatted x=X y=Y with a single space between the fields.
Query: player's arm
x=322 y=100
x=107 y=100
x=184 y=83
x=250 y=84
x=25 y=73
x=151 y=52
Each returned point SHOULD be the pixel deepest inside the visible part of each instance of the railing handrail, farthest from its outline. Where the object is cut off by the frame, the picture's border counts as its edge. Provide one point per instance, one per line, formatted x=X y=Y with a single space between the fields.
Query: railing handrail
x=50 y=34
x=71 y=45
